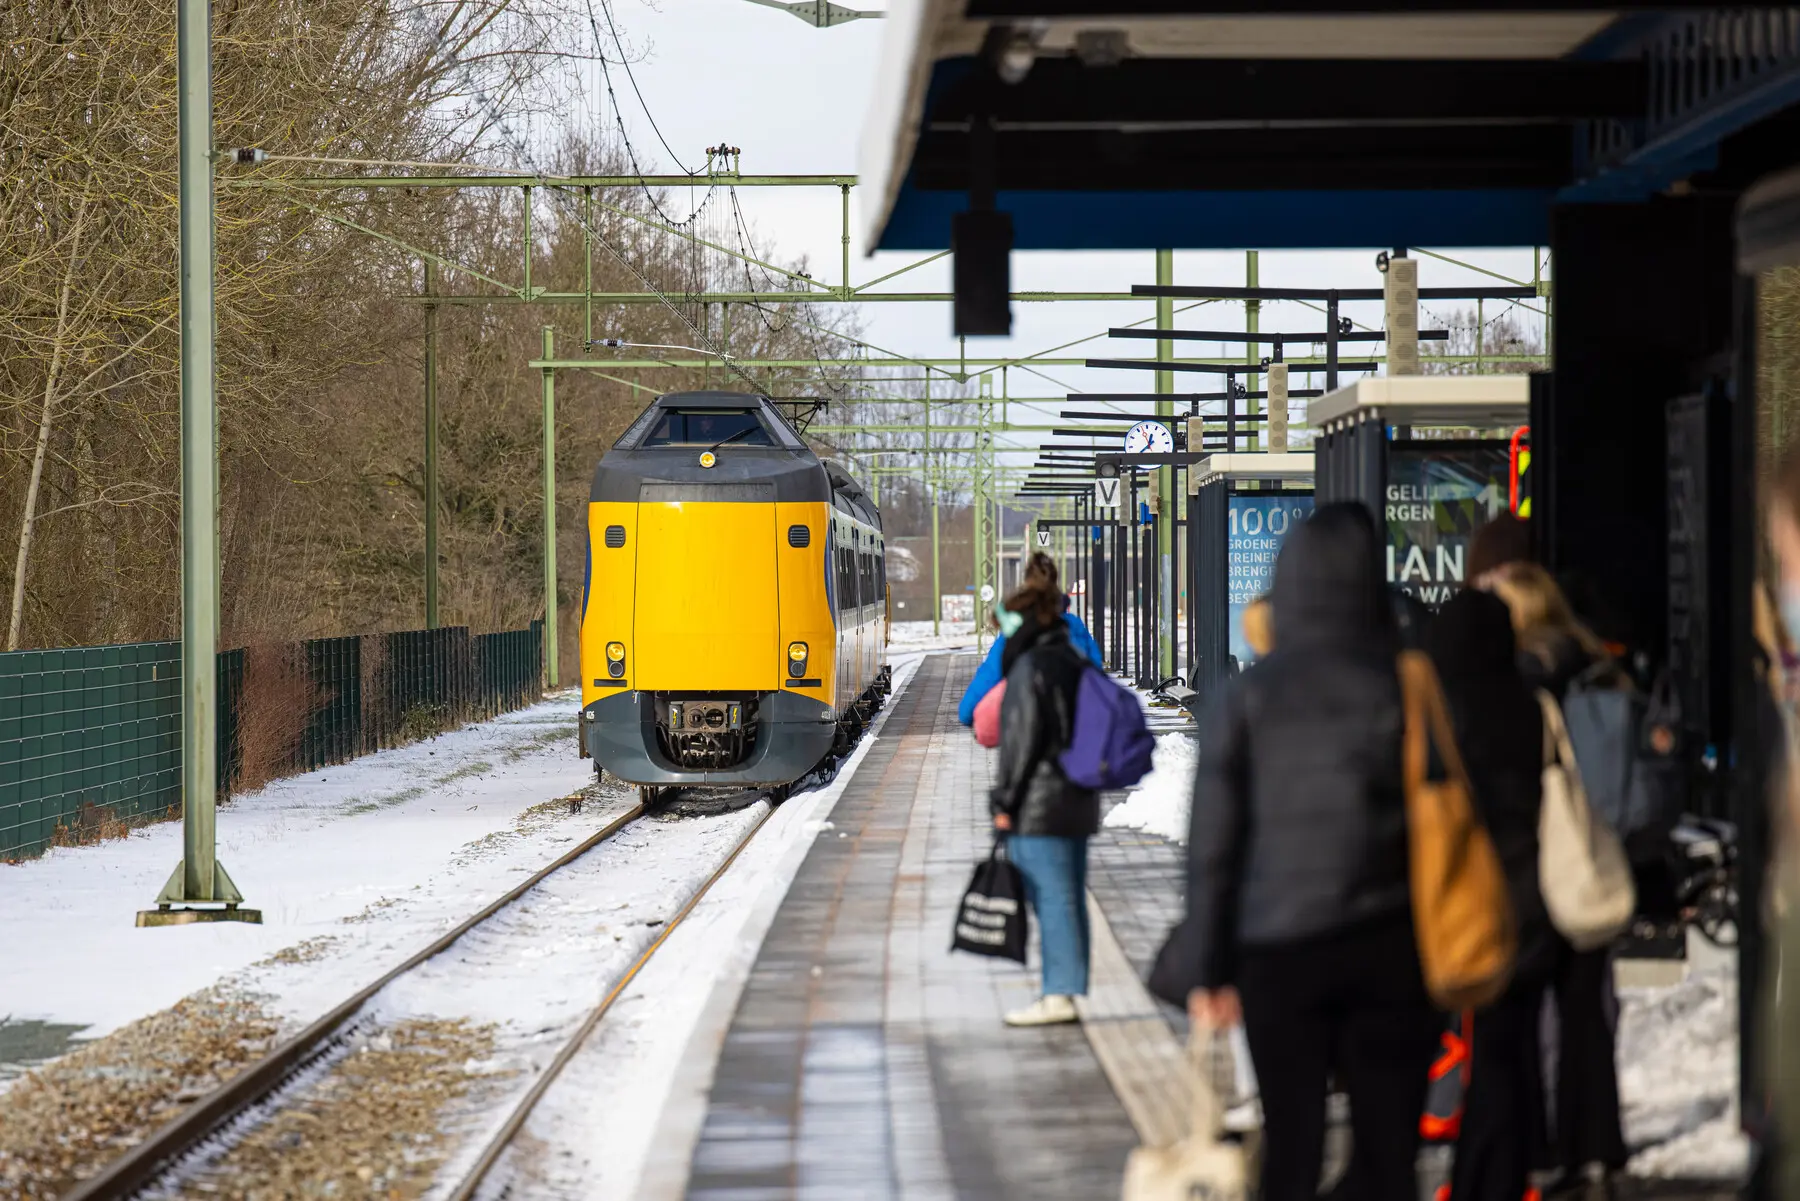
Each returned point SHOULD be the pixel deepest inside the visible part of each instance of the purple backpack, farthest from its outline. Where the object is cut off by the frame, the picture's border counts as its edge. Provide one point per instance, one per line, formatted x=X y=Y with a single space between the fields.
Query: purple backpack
x=1111 y=746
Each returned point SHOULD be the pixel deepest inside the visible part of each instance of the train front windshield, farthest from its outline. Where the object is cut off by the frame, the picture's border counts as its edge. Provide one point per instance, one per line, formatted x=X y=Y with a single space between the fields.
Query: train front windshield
x=707 y=427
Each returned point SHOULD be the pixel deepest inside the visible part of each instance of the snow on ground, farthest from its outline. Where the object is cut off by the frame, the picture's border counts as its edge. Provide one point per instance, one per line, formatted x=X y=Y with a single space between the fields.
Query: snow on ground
x=917 y=635
x=1678 y=1077
x=653 y=1056
x=1159 y=804
x=353 y=867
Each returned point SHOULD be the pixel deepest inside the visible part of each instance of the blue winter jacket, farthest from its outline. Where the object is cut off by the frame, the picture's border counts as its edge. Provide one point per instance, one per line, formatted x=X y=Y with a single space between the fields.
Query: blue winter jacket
x=989 y=673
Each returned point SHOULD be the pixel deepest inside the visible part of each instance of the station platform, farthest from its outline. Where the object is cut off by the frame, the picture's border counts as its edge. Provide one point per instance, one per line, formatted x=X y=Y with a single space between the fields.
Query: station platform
x=865 y=1060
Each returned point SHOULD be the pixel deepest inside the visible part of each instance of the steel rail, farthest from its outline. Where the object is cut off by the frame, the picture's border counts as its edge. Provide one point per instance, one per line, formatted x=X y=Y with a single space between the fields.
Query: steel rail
x=157 y=1154
x=515 y=1121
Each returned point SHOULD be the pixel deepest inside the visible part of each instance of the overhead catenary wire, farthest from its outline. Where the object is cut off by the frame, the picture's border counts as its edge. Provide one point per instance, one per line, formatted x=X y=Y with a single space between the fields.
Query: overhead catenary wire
x=747 y=251
x=619 y=117
x=625 y=61
x=437 y=38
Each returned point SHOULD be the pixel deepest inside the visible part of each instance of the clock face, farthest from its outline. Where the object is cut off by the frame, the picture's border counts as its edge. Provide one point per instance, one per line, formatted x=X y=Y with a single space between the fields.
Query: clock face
x=1149 y=437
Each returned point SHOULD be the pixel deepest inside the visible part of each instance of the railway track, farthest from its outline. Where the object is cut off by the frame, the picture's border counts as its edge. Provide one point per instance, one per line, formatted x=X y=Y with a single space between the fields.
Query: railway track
x=200 y=1135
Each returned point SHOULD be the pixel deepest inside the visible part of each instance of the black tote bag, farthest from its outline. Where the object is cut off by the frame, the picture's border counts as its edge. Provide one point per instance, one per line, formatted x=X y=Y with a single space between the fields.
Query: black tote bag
x=991 y=919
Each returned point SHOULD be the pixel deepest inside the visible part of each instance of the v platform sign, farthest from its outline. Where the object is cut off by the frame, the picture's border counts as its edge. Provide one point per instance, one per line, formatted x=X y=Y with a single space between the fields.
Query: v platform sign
x=1106 y=493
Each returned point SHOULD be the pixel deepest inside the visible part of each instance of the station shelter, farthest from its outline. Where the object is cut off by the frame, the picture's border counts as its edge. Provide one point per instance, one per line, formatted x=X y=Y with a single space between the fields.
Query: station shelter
x=1649 y=148
x=1240 y=507
x=1434 y=457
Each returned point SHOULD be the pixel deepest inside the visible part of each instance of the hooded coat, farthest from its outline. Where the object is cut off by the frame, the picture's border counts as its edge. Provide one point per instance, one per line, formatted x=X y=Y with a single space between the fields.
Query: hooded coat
x=1298 y=826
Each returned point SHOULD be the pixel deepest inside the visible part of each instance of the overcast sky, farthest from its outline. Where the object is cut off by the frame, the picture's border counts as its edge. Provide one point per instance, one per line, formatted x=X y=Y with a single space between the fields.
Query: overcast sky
x=794 y=98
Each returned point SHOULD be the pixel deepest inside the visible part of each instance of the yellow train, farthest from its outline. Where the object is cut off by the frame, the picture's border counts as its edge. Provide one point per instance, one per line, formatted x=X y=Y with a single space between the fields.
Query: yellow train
x=734 y=614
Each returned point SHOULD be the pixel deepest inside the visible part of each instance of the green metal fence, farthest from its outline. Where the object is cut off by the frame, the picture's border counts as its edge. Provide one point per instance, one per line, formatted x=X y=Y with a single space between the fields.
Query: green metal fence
x=85 y=733
x=90 y=737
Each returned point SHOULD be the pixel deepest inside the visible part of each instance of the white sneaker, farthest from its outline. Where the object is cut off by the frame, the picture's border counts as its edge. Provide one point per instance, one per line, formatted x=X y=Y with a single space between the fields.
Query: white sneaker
x=1049 y=1010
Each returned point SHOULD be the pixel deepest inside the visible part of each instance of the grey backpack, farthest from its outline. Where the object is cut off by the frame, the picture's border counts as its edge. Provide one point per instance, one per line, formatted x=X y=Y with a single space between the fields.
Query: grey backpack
x=1627 y=745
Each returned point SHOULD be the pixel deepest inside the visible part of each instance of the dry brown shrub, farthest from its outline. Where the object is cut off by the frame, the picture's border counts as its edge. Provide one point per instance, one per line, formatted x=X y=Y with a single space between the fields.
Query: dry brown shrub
x=277 y=702
x=92 y=823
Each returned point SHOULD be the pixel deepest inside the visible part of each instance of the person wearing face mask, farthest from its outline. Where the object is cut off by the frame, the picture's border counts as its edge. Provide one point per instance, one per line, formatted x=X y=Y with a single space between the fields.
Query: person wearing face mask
x=1040 y=569
x=1047 y=817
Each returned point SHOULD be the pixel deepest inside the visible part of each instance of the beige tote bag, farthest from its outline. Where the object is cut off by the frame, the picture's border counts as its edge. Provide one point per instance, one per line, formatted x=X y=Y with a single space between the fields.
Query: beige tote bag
x=1582 y=869
x=1201 y=1167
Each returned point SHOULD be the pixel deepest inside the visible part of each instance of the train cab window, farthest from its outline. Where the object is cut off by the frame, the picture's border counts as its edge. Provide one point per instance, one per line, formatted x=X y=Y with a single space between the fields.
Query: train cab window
x=707 y=427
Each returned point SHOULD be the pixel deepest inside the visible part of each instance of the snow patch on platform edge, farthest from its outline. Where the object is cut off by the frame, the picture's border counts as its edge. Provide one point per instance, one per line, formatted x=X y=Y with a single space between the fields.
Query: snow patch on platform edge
x=1160 y=803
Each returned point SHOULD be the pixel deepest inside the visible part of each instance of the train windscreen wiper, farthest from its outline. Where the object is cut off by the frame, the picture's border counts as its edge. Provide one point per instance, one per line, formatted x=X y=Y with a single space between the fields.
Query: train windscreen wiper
x=745 y=432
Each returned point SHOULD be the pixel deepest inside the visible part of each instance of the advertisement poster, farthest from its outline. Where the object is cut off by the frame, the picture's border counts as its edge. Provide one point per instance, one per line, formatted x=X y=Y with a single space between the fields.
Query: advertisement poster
x=1257 y=524
x=1438 y=495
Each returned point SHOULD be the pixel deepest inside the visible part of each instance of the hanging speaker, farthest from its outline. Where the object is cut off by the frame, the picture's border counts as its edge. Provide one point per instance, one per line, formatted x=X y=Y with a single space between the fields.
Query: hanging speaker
x=981 y=271
x=1400 y=291
x=1278 y=407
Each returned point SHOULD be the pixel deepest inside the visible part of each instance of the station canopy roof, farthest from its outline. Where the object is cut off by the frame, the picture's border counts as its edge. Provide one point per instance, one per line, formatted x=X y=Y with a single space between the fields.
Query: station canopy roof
x=1306 y=123
x=1288 y=466
x=1477 y=401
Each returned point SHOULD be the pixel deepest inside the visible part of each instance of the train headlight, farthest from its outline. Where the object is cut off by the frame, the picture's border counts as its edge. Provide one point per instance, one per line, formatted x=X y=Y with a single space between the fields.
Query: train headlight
x=615 y=659
x=708 y=458
x=796 y=659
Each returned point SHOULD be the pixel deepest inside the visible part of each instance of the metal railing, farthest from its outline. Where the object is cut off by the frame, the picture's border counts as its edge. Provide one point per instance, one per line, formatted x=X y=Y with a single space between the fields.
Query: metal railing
x=90 y=737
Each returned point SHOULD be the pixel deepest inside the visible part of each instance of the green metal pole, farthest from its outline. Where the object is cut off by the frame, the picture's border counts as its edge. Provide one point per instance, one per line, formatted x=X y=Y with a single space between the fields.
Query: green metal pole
x=1065 y=541
x=551 y=669
x=587 y=268
x=1165 y=484
x=978 y=521
x=997 y=527
x=845 y=189
x=983 y=531
x=527 y=242
x=431 y=457
x=199 y=452
x=931 y=496
x=199 y=878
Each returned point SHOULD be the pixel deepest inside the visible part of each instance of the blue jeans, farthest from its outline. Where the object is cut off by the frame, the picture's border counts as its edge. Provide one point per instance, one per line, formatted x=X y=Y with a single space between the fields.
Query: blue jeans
x=1055 y=871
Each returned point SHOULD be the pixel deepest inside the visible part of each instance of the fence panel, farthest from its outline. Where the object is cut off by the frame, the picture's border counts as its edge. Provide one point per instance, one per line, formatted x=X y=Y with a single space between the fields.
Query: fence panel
x=511 y=669
x=90 y=737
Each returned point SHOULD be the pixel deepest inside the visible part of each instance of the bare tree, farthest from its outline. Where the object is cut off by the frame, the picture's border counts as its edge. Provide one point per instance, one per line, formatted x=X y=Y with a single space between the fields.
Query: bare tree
x=319 y=329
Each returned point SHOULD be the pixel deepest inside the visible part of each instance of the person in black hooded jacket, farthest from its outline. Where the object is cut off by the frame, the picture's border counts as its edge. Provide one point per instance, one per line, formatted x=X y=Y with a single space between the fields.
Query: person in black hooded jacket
x=1299 y=899
x=1048 y=819
x=1500 y=732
